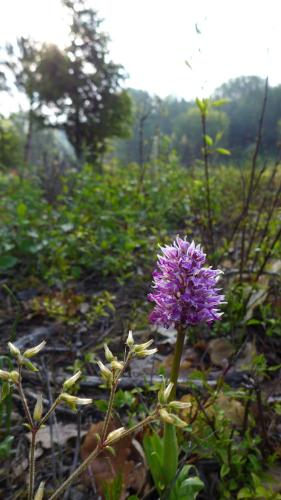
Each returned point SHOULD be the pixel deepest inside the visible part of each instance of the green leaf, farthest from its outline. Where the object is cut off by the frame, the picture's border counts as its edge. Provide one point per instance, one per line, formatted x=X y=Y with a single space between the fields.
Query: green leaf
x=7 y=262
x=225 y=469
x=209 y=141
x=201 y=105
x=223 y=151
x=5 y=447
x=244 y=493
x=218 y=136
x=220 y=102
x=5 y=391
x=21 y=210
x=153 y=448
x=170 y=453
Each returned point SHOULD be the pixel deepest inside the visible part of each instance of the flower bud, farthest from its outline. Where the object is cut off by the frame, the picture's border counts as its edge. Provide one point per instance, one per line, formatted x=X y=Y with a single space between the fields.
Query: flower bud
x=29 y=353
x=130 y=340
x=146 y=352
x=74 y=400
x=71 y=381
x=108 y=354
x=167 y=392
x=117 y=365
x=14 y=350
x=30 y=366
x=5 y=376
x=179 y=405
x=38 y=409
x=170 y=418
x=105 y=373
x=141 y=347
x=14 y=376
x=40 y=491
x=115 y=435
x=165 y=416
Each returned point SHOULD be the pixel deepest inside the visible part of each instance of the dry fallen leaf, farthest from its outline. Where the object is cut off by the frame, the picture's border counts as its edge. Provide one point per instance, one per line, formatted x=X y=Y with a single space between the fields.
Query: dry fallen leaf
x=188 y=414
x=61 y=434
x=127 y=461
x=246 y=358
x=220 y=351
x=232 y=409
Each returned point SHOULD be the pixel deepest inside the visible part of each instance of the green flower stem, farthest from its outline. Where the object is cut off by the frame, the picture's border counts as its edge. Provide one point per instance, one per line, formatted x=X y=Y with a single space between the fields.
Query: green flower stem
x=111 y=397
x=32 y=464
x=99 y=448
x=49 y=412
x=33 y=430
x=23 y=398
x=171 y=450
x=109 y=411
x=176 y=361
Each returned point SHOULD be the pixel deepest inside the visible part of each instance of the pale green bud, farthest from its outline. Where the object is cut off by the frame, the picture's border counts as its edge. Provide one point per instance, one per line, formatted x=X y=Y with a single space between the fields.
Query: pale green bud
x=14 y=376
x=179 y=405
x=30 y=366
x=167 y=392
x=38 y=409
x=105 y=372
x=146 y=352
x=117 y=365
x=71 y=381
x=165 y=416
x=13 y=350
x=108 y=354
x=130 y=339
x=112 y=436
x=40 y=492
x=141 y=347
x=74 y=400
x=29 y=353
x=170 y=418
x=5 y=375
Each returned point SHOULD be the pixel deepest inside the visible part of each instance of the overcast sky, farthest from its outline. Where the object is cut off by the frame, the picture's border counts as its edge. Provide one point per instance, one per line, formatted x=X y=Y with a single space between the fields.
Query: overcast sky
x=154 y=38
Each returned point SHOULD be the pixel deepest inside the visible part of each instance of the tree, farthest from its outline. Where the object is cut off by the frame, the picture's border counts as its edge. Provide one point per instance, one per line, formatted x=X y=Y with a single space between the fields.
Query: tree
x=82 y=86
x=20 y=63
x=10 y=145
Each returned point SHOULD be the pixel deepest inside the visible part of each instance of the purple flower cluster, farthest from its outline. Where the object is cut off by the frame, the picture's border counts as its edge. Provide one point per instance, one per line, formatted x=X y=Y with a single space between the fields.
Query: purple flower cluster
x=185 y=292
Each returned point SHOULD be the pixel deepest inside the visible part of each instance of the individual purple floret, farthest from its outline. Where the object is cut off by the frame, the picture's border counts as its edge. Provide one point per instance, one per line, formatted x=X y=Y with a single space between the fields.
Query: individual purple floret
x=185 y=293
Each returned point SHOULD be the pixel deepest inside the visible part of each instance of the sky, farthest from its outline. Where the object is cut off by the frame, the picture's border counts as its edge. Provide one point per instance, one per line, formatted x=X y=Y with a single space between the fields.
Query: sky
x=153 y=39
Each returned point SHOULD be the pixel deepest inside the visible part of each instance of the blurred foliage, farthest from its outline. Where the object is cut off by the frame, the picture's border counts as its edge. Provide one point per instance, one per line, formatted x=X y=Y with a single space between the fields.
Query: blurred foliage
x=103 y=223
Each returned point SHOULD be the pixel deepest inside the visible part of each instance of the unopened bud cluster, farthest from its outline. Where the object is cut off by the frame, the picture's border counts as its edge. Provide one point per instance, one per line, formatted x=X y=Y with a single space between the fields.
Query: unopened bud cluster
x=24 y=359
x=112 y=374
x=12 y=376
x=140 y=350
x=166 y=412
x=71 y=400
x=115 y=370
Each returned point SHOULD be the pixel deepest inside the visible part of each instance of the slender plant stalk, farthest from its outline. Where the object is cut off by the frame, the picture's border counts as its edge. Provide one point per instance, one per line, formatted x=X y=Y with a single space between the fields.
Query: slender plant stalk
x=111 y=397
x=176 y=361
x=32 y=464
x=109 y=411
x=208 y=191
x=171 y=451
x=99 y=448
x=49 y=412
x=33 y=430
x=24 y=403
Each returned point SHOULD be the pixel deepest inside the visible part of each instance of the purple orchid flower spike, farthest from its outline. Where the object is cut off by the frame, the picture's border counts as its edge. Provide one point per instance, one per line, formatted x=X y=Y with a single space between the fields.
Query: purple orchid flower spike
x=185 y=292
